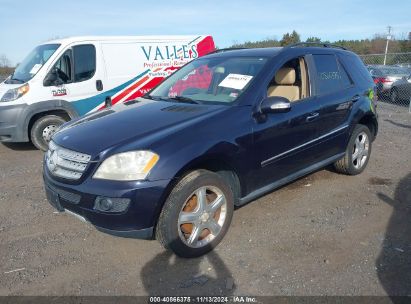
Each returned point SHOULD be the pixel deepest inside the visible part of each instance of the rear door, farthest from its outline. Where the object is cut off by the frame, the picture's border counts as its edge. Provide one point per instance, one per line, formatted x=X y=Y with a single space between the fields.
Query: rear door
x=336 y=94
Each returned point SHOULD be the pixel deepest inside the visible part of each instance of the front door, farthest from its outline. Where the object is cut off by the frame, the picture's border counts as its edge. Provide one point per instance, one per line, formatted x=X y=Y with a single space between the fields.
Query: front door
x=285 y=143
x=77 y=75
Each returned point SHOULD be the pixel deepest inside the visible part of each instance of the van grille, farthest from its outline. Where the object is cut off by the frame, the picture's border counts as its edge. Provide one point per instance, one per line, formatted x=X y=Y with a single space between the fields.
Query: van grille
x=66 y=163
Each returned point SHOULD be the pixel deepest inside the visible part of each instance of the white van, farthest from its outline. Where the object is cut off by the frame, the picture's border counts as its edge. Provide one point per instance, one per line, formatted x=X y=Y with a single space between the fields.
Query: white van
x=66 y=78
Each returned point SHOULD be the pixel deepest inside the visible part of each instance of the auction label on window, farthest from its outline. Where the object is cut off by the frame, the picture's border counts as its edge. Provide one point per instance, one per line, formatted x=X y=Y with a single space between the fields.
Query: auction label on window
x=35 y=68
x=235 y=81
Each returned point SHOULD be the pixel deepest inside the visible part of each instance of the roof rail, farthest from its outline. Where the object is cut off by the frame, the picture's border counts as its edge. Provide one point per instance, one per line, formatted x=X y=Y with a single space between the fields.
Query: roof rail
x=226 y=49
x=320 y=44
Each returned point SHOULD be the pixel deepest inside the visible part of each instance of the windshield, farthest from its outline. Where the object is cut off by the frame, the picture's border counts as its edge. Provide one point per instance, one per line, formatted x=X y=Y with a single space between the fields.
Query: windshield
x=218 y=80
x=32 y=63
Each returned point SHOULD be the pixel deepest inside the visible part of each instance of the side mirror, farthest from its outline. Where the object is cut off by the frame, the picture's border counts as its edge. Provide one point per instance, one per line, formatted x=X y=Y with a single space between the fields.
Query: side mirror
x=275 y=104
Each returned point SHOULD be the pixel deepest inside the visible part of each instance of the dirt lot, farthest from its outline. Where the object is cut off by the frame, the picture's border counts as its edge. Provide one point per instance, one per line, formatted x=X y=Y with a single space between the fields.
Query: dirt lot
x=326 y=234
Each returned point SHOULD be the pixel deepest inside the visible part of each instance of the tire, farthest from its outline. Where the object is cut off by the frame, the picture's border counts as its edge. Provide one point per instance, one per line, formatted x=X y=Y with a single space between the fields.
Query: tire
x=394 y=97
x=42 y=130
x=183 y=224
x=357 y=153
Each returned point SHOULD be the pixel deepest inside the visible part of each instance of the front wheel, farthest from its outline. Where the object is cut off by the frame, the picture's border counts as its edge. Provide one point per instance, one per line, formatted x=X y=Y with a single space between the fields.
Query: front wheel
x=357 y=153
x=43 y=129
x=196 y=215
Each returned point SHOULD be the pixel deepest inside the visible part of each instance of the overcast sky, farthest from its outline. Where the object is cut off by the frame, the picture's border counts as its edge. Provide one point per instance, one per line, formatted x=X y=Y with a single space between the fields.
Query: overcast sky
x=24 y=24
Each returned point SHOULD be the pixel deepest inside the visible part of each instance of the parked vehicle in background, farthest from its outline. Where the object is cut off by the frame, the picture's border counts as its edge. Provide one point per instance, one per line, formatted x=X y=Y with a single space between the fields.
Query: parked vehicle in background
x=405 y=65
x=220 y=132
x=401 y=91
x=66 y=78
x=384 y=76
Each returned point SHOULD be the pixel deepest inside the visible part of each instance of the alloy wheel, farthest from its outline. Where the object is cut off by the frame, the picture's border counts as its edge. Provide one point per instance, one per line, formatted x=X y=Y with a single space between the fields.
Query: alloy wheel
x=202 y=216
x=360 y=150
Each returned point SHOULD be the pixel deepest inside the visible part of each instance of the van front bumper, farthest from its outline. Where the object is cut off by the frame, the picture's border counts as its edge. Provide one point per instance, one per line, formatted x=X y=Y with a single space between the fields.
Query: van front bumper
x=12 y=120
x=136 y=221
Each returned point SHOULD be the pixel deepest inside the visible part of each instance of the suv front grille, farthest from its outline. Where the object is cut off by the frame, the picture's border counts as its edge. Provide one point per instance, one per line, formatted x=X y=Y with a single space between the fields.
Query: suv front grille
x=66 y=163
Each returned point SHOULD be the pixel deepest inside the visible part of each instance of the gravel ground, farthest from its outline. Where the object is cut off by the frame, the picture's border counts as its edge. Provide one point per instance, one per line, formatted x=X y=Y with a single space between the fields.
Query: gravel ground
x=325 y=234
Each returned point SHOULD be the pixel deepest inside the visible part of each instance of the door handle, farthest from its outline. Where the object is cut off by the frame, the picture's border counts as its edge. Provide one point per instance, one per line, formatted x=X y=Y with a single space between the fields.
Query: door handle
x=99 y=85
x=312 y=116
x=355 y=98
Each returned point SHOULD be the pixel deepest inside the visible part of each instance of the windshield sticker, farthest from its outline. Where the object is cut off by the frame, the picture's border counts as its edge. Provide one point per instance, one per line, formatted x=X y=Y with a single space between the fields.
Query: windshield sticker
x=35 y=68
x=235 y=81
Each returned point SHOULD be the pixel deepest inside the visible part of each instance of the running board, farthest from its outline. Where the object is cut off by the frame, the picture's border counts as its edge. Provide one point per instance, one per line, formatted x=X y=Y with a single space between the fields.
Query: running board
x=264 y=190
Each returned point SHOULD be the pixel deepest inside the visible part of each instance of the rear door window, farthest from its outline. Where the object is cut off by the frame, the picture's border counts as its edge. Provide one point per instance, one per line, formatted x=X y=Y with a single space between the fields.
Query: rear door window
x=327 y=74
x=84 y=62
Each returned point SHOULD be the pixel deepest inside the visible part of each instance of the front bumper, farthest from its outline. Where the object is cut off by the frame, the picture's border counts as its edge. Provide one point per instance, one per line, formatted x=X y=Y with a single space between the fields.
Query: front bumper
x=12 y=120
x=137 y=221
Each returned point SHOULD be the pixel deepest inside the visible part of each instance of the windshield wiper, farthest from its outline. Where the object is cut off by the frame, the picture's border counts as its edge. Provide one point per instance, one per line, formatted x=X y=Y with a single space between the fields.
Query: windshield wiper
x=180 y=98
x=151 y=97
x=176 y=98
x=11 y=78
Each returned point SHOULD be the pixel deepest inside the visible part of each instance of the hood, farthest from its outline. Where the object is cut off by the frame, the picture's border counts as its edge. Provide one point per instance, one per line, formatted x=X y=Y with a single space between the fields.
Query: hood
x=130 y=122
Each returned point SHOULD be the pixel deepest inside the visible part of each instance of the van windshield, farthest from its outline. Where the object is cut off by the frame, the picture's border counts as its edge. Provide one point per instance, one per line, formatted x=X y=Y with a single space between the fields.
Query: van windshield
x=215 y=80
x=32 y=63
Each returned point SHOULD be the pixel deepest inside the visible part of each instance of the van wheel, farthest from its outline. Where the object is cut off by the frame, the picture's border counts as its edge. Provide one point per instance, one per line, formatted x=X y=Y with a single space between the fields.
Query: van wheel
x=43 y=129
x=357 y=153
x=196 y=215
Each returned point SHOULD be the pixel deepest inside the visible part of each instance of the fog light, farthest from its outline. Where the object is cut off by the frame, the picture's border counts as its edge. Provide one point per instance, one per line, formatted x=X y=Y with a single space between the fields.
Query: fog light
x=106 y=204
x=109 y=204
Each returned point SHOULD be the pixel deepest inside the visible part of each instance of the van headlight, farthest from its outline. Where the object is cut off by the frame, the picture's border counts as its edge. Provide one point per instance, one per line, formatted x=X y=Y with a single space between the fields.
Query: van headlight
x=127 y=166
x=15 y=93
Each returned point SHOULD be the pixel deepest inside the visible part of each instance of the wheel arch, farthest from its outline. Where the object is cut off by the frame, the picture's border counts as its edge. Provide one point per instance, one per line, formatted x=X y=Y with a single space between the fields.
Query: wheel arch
x=370 y=121
x=37 y=110
x=215 y=163
x=220 y=166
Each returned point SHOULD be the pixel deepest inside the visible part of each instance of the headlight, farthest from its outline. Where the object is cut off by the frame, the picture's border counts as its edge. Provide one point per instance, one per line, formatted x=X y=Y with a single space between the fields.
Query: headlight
x=15 y=93
x=127 y=166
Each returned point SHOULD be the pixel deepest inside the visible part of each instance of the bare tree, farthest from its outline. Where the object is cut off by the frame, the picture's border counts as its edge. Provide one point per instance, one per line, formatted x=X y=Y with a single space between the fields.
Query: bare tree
x=4 y=61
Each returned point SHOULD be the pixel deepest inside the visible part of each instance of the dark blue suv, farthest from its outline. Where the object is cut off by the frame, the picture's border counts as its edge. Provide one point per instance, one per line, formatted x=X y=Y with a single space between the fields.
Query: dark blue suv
x=218 y=133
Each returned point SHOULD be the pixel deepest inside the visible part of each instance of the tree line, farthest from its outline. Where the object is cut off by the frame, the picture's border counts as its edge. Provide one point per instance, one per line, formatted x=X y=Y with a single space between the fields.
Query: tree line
x=375 y=45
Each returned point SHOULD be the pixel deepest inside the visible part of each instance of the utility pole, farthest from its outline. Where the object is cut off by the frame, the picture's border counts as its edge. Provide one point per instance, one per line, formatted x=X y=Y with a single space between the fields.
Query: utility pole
x=386 y=46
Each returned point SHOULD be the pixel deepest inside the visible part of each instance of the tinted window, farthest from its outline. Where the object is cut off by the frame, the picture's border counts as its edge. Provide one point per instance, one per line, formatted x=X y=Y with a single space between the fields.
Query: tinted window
x=328 y=75
x=84 y=62
x=357 y=68
x=345 y=79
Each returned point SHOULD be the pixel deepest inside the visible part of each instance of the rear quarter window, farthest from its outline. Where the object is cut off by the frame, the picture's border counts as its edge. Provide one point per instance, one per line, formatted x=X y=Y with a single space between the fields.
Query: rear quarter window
x=356 y=68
